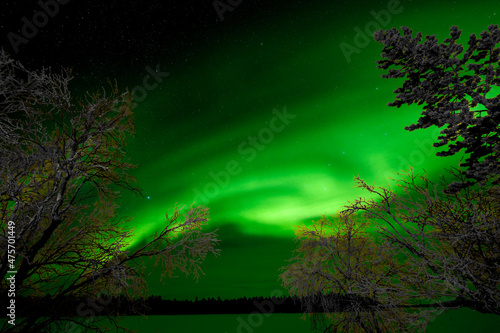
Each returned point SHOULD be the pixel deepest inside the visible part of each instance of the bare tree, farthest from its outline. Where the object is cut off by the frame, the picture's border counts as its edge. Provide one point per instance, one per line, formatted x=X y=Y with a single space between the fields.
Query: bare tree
x=400 y=256
x=348 y=281
x=453 y=237
x=63 y=164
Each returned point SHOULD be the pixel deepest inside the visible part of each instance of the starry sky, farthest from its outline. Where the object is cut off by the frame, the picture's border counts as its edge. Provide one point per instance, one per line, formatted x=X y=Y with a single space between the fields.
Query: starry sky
x=264 y=112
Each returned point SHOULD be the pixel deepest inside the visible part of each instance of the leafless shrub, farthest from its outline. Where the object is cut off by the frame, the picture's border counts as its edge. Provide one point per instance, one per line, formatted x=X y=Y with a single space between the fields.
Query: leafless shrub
x=401 y=257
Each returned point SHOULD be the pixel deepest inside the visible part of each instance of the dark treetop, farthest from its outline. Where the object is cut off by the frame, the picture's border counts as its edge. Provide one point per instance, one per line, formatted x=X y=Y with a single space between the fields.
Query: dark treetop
x=450 y=84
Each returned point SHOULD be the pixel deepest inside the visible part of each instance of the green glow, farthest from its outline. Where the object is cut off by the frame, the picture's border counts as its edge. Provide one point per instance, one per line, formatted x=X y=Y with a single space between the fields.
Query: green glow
x=193 y=123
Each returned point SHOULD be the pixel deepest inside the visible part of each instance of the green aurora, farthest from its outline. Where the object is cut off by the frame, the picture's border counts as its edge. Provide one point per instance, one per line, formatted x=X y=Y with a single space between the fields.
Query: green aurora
x=210 y=133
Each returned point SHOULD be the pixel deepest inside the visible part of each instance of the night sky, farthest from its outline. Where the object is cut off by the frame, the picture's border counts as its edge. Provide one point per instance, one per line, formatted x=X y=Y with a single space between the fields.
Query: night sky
x=263 y=113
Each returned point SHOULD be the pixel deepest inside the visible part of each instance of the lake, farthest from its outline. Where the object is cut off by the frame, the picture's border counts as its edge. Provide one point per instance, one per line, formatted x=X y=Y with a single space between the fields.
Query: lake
x=456 y=321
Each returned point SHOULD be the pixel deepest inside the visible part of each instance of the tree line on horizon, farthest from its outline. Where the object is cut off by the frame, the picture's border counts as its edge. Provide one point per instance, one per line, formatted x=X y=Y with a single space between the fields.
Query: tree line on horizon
x=156 y=305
